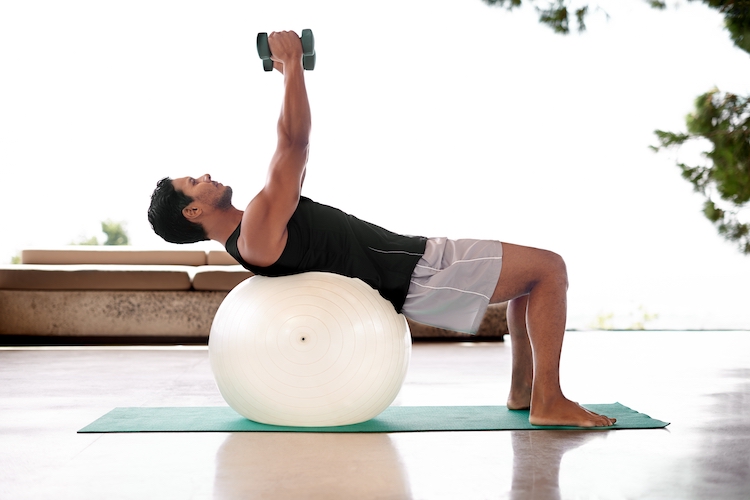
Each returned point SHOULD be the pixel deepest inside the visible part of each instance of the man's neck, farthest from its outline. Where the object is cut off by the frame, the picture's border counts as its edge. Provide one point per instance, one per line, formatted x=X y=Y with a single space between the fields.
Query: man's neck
x=223 y=224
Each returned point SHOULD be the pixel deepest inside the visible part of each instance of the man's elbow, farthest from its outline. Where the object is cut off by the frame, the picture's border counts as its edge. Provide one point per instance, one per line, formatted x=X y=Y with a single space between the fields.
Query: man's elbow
x=298 y=140
x=298 y=144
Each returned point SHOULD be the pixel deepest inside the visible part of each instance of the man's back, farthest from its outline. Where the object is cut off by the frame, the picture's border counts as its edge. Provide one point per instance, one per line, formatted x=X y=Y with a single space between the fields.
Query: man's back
x=323 y=238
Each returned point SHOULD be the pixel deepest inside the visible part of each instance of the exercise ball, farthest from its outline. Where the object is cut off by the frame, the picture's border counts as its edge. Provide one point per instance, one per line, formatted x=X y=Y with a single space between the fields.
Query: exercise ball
x=308 y=350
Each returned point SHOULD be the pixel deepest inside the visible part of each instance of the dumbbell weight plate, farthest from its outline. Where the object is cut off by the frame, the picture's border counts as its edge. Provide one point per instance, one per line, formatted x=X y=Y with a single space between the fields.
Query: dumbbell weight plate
x=308 y=43
x=308 y=62
x=264 y=52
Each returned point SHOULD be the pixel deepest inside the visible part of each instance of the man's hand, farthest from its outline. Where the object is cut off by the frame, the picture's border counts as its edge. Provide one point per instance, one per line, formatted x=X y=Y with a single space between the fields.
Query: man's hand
x=286 y=48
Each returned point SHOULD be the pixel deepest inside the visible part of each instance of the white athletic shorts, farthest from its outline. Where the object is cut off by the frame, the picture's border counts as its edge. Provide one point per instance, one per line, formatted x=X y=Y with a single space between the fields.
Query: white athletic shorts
x=453 y=282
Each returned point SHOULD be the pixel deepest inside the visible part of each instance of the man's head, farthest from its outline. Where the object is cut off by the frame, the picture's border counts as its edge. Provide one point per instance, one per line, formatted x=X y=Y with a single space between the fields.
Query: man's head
x=179 y=207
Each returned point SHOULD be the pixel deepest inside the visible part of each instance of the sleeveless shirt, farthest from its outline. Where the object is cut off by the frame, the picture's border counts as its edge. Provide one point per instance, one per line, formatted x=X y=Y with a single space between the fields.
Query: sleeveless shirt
x=323 y=238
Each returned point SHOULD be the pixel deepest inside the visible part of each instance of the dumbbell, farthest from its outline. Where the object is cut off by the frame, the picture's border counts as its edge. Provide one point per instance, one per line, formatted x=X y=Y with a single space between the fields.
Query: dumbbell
x=308 y=50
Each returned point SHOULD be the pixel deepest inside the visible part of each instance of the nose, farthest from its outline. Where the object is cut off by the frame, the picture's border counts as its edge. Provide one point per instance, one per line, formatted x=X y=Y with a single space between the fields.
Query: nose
x=206 y=178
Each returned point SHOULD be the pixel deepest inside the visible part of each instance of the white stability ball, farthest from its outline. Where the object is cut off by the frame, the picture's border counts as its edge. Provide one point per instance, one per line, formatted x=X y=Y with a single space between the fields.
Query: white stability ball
x=308 y=350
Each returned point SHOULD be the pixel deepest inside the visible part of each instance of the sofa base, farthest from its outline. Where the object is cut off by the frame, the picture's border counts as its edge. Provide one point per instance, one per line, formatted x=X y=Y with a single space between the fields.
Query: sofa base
x=108 y=313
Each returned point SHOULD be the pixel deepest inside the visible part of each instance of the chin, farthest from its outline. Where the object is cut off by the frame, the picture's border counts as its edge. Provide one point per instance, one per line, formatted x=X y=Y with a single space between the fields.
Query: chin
x=226 y=199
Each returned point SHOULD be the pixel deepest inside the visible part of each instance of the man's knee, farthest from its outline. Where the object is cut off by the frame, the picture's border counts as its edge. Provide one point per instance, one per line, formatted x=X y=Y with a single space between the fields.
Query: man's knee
x=524 y=268
x=555 y=268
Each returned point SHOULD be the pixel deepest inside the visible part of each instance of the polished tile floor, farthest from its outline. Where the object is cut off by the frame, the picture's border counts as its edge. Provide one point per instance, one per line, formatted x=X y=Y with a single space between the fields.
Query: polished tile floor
x=698 y=381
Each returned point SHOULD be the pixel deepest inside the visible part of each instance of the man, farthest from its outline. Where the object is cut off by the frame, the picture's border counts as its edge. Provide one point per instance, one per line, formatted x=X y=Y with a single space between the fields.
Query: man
x=434 y=281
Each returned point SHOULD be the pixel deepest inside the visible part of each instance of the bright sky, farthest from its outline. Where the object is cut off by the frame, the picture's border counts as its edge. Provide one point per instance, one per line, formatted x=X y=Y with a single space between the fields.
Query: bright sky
x=432 y=117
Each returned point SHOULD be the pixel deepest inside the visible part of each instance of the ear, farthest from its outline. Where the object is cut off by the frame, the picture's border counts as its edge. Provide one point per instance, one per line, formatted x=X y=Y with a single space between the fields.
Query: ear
x=191 y=212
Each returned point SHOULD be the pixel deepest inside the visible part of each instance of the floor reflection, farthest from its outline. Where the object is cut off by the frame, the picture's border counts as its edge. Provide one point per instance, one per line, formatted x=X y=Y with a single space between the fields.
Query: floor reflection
x=536 y=460
x=723 y=456
x=308 y=465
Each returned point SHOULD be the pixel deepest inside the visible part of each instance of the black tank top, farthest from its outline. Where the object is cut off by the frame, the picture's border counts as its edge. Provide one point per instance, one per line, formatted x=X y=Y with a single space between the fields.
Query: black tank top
x=323 y=238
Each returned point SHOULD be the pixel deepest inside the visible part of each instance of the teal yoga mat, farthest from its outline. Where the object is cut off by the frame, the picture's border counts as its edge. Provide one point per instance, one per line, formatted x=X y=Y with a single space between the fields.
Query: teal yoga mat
x=393 y=419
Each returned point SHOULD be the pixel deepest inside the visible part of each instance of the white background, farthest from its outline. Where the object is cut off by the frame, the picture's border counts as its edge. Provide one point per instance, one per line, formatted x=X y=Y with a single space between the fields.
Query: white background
x=439 y=118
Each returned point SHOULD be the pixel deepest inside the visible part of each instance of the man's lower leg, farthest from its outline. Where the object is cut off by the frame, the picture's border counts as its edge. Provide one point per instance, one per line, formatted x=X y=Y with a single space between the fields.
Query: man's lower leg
x=522 y=376
x=546 y=316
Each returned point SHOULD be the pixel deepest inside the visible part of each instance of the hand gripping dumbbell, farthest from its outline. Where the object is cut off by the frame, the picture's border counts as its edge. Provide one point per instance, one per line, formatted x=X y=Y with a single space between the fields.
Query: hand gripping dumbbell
x=308 y=50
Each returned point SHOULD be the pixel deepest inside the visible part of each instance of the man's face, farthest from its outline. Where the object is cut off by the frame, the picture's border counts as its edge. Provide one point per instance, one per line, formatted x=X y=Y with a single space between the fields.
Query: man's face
x=204 y=190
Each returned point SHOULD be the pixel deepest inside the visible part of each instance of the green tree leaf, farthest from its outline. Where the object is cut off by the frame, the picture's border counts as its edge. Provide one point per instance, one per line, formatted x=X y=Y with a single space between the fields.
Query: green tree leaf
x=723 y=120
x=116 y=234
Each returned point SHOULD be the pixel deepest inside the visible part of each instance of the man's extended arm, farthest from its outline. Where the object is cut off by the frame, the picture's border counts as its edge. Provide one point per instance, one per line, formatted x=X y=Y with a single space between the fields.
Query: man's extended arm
x=294 y=124
x=263 y=234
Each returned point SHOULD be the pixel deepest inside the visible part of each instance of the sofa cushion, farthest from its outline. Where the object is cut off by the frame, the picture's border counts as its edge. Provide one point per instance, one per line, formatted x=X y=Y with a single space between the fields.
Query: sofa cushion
x=219 y=278
x=94 y=277
x=113 y=255
x=220 y=258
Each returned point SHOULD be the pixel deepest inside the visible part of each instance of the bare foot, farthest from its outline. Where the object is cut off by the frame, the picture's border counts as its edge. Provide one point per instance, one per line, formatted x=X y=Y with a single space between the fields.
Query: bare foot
x=562 y=411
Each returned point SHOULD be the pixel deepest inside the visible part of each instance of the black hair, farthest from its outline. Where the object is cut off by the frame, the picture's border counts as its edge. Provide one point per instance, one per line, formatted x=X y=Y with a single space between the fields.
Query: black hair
x=166 y=218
